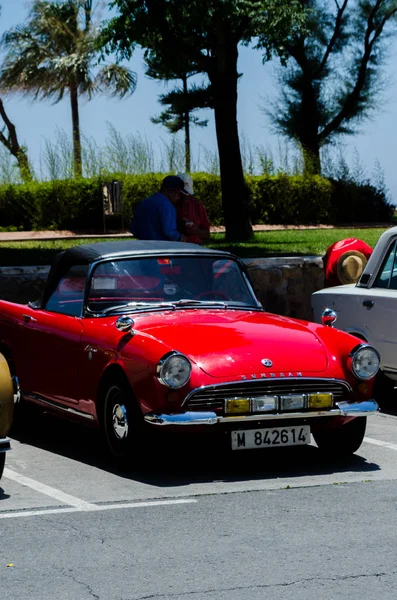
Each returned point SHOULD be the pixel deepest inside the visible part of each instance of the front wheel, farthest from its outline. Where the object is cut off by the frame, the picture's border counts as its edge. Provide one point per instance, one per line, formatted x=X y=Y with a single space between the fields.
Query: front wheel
x=122 y=422
x=342 y=441
x=2 y=463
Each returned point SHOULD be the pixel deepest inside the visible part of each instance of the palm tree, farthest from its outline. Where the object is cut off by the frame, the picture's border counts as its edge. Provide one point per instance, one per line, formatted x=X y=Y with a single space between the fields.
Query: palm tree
x=56 y=53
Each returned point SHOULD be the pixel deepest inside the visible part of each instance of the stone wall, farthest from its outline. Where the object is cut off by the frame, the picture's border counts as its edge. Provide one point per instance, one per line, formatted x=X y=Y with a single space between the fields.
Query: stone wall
x=283 y=285
x=22 y=284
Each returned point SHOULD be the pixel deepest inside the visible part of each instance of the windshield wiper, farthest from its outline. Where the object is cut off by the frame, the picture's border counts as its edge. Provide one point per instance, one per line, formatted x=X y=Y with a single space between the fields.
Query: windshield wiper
x=150 y=306
x=138 y=305
x=193 y=302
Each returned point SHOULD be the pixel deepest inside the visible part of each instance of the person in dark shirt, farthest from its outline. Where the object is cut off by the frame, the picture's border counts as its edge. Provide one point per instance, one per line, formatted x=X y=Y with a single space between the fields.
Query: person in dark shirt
x=155 y=217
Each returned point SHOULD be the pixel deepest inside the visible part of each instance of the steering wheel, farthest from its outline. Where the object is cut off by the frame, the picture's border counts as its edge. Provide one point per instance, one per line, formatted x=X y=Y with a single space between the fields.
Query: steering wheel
x=211 y=293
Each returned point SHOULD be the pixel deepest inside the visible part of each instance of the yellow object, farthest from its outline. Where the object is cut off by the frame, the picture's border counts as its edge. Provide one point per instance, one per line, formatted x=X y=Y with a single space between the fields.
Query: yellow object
x=320 y=400
x=350 y=266
x=6 y=397
x=237 y=406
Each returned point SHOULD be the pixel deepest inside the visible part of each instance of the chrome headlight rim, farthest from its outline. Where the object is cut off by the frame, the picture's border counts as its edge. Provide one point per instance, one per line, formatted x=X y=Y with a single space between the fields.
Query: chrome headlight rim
x=164 y=362
x=354 y=354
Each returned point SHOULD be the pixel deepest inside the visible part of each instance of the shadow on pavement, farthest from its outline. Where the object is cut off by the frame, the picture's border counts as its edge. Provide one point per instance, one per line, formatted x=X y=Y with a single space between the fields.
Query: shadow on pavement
x=172 y=461
x=389 y=407
x=3 y=495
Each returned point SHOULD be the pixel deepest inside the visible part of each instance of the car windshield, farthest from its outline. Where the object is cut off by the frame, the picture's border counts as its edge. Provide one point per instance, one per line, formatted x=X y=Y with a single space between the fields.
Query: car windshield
x=168 y=282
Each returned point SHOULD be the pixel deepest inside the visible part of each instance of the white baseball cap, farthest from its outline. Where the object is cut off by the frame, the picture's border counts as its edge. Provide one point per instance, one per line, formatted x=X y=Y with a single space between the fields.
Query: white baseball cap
x=188 y=182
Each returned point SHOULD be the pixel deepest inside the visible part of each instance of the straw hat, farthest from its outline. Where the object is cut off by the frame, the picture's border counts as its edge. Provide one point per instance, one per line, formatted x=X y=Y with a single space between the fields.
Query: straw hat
x=350 y=266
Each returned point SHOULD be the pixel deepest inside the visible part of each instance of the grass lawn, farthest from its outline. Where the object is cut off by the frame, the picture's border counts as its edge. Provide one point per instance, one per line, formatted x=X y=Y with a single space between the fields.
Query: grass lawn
x=292 y=242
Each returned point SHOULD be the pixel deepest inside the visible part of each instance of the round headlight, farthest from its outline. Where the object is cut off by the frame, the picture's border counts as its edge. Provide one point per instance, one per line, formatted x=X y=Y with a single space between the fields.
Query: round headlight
x=174 y=371
x=365 y=362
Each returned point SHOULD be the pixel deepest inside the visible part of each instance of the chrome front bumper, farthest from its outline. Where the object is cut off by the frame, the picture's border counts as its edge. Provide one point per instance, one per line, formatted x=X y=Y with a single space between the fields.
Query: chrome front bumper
x=5 y=445
x=345 y=409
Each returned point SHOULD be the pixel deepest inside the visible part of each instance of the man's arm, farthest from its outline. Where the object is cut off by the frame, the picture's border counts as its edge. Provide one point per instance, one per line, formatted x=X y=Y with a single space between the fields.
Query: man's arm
x=201 y=232
x=168 y=223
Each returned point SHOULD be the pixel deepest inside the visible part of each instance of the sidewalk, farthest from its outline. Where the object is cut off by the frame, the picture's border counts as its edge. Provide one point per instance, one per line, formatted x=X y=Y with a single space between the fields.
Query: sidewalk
x=18 y=236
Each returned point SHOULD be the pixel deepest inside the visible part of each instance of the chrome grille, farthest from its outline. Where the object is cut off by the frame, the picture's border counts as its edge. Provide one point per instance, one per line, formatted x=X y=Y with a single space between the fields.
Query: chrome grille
x=213 y=397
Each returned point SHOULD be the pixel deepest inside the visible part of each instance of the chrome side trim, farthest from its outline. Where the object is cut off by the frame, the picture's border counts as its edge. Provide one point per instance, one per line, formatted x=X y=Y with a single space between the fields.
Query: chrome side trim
x=5 y=445
x=345 y=409
x=57 y=406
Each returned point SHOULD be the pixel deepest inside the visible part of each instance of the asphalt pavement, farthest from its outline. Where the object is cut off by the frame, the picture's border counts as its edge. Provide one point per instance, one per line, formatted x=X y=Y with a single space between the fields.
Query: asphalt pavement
x=205 y=523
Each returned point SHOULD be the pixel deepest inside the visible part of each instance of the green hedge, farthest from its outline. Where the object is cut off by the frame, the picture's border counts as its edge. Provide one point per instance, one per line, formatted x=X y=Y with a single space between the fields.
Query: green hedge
x=279 y=199
x=67 y=204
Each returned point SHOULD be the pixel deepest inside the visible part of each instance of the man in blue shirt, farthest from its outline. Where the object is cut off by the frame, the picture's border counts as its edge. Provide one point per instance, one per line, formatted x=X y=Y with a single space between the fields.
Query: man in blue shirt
x=155 y=217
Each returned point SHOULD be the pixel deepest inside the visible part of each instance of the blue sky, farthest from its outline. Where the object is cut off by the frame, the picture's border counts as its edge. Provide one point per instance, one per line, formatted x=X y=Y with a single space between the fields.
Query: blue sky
x=36 y=121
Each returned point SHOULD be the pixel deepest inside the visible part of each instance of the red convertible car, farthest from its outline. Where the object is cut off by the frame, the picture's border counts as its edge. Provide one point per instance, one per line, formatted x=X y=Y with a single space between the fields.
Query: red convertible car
x=132 y=336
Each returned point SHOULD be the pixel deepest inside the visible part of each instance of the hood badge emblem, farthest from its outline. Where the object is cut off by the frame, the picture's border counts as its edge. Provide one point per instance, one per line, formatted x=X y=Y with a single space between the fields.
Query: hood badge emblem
x=266 y=362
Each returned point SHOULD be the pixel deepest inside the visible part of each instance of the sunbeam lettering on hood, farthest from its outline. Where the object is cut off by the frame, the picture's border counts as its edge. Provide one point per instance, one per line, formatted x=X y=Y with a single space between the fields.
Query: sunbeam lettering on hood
x=271 y=375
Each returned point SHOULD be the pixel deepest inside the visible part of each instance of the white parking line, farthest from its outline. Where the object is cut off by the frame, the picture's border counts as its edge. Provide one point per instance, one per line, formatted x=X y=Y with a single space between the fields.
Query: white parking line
x=380 y=443
x=34 y=513
x=56 y=511
x=49 y=491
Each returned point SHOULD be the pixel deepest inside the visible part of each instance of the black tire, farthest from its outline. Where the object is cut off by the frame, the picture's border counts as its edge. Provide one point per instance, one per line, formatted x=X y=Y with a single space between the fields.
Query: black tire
x=2 y=463
x=121 y=420
x=342 y=441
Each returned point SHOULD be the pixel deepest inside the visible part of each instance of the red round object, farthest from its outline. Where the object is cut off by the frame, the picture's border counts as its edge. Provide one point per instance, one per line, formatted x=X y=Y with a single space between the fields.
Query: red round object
x=336 y=252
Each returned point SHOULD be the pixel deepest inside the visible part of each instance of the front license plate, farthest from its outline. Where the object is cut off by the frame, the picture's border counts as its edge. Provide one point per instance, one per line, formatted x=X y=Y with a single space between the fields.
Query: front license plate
x=271 y=438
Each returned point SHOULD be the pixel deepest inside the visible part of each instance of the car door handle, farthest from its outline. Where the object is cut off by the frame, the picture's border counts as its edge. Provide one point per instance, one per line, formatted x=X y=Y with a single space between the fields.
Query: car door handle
x=29 y=318
x=368 y=304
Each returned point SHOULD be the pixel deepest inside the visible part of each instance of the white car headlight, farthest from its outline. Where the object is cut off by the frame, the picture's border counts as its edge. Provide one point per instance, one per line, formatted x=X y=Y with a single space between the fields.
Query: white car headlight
x=174 y=370
x=365 y=362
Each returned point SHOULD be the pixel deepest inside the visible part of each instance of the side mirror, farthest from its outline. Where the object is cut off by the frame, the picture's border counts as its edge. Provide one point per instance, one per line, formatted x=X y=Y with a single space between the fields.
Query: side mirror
x=124 y=324
x=328 y=317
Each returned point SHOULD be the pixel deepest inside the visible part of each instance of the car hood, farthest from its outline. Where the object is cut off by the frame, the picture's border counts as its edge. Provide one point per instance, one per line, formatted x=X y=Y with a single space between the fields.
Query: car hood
x=233 y=343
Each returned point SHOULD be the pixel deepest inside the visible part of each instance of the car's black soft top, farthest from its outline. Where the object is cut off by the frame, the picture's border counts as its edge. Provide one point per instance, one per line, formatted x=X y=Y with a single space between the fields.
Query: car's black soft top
x=87 y=254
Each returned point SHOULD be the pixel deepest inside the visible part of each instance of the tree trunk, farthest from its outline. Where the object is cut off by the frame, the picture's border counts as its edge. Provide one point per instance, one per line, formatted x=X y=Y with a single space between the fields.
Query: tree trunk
x=187 y=127
x=12 y=144
x=311 y=157
x=74 y=102
x=223 y=76
x=308 y=128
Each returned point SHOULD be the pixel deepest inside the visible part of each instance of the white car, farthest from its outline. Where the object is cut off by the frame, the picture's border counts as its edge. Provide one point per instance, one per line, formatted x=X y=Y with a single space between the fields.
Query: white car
x=368 y=309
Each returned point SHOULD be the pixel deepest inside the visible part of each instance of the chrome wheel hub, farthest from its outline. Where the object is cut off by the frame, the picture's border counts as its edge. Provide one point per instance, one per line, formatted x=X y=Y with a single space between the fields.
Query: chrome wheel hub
x=120 y=421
